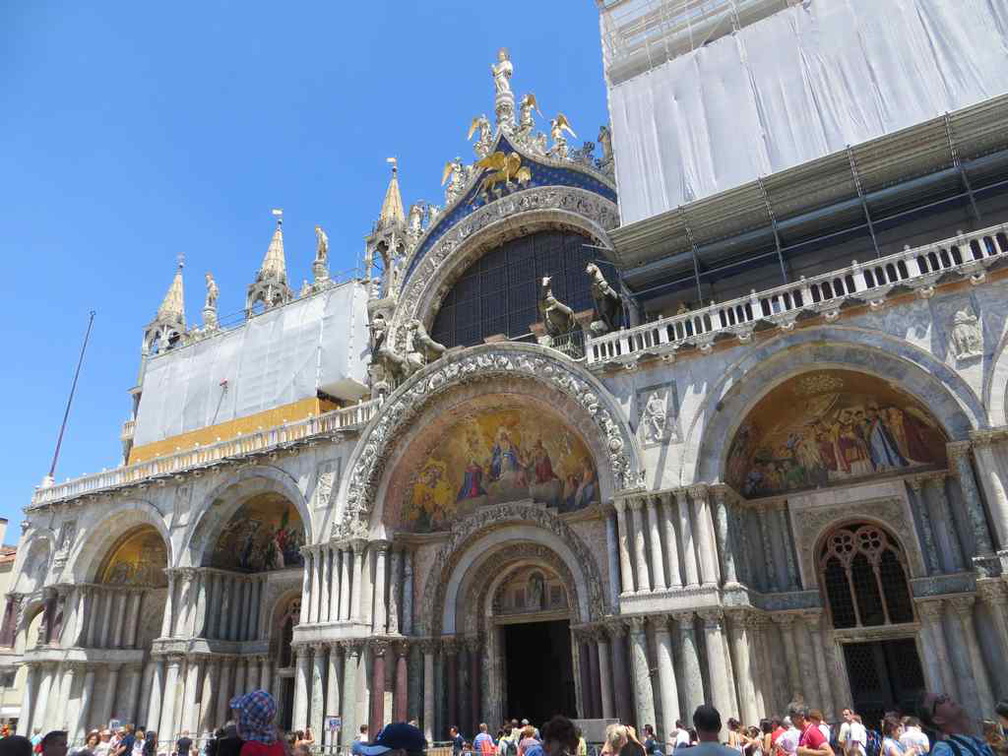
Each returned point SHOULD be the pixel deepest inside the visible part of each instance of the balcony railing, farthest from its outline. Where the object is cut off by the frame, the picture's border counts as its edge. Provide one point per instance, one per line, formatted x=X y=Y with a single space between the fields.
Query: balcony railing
x=913 y=268
x=258 y=442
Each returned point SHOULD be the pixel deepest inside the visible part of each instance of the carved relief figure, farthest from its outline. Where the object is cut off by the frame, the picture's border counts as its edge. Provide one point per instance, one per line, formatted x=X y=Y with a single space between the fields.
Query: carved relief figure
x=211 y=293
x=654 y=417
x=967 y=339
x=829 y=427
x=423 y=344
x=496 y=456
x=536 y=591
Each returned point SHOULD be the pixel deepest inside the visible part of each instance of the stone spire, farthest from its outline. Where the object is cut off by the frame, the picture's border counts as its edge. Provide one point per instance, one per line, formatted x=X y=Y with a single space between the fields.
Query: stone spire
x=392 y=214
x=270 y=287
x=168 y=326
x=386 y=244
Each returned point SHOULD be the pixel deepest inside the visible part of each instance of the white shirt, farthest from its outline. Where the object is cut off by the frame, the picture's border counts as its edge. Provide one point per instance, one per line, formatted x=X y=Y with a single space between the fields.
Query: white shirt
x=914 y=738
x=788 y=741
x=844 y=733
x=857 y=738
x=682 y=738
x=824 y=729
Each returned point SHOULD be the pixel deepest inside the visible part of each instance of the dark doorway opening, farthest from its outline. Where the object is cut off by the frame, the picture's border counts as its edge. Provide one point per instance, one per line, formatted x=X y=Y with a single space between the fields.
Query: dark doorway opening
x=540 y=674
x=285 y=703
x=884 y=676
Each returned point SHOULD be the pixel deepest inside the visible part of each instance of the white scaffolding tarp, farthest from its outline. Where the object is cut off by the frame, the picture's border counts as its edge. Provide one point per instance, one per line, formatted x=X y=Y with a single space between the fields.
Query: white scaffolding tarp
x=800 y=84
x=281 y=356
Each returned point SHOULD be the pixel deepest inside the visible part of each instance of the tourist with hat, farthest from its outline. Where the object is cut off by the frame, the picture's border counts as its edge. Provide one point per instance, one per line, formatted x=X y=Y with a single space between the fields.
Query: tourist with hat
x=256 y=712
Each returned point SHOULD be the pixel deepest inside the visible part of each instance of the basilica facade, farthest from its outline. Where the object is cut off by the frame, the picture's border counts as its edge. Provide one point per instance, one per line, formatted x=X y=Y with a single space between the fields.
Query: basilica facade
x=515 y=470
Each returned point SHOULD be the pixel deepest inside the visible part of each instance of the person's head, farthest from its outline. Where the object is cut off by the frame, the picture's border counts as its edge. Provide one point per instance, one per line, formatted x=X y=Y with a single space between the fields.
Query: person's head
x=106 y=736
x=799 y=714
x=648 y=731
x=452 y=731
x=766 y=726
x=559 y=736
x=483 y=727
x=940 y=712
x=891 y=727
x=707 y=721
x=816 y=716
x=150 y=742
x=139 y=734
x=848 y=715
x=93 y=739
x=734 y=724
x=363 y=729
x=54 y=743
x=401 y=738
x=528 y=731
x=753 y=731
x=256 y=711
x=909 y=722
x=616 y=738
x=787 y=723
x=775 y=722
x=679 y=725
x=299 y=735
x=185 y=733
x=16 y=745
x=1002 y=713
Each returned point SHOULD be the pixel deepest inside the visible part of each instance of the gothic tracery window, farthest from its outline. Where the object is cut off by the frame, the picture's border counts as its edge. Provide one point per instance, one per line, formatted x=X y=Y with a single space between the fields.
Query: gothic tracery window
x=863 y=572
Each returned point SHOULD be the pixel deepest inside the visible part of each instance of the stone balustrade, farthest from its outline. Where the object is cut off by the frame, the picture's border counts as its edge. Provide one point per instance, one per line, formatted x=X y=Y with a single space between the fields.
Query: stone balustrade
x=251 y=444
x=918 y=268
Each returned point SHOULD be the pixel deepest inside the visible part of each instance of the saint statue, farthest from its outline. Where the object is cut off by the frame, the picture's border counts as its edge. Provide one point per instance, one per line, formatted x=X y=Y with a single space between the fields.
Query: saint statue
x=502 y=71
x=211 y=293
x=321 y=246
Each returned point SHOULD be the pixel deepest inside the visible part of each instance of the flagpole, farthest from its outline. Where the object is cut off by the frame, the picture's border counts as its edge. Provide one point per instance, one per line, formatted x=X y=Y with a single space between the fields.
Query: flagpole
x=50 y=479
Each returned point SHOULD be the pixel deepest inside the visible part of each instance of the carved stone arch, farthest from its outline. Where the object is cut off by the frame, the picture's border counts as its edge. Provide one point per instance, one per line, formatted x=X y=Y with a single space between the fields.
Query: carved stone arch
x=89 y=553
x=996 y=388
x=276 y=615
x=473 y=537
x=916 y=372
x=524 y=362
x=484 y=589
x=518 y=214
x=235 y=490
x=35 y=554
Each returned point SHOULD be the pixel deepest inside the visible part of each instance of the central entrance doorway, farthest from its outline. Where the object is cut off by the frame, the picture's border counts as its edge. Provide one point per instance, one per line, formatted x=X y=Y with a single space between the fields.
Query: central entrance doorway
x=884 y=676
x=540 y=675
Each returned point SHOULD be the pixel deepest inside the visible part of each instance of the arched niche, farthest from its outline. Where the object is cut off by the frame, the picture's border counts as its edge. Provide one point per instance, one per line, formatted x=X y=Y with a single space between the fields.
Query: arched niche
x=265 y=533
x=137 y=558
x=490 y=449
x=831 y=427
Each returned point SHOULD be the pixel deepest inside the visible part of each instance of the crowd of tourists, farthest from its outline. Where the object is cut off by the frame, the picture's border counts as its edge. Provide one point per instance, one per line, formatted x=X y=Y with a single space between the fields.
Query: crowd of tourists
x=941 y=728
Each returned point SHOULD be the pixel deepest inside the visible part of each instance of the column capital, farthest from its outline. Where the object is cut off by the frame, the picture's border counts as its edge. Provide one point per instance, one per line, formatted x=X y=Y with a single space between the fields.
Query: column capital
x=357 y=545
x=472 y=643
x=962 y=605
x=450 y=645
x=811 y=617
x=428 y=645
x=378 y=646
x=635 y=503
x=637 y=624
x=615 y=627
x=352 y=646
x=930 y=610
x=742 y=617
x=698 y=493
x=684 y=617
x=660 y=623
x=381 y=546
x=992 y=590
x=784 y=619
x=335 y=647
x=401 y=648
x=711 y=615
x=619 y=505
x=958 y=449
x=916 y=482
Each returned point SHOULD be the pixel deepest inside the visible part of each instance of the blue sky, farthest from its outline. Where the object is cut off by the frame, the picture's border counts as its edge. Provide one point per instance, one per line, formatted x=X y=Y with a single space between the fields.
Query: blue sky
x=139 y=131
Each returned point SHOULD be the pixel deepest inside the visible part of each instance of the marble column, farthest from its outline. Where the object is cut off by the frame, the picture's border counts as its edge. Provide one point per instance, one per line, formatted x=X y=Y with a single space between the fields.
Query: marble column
x=351 y=662
x=785 y=623
x=299 y=719
x=993 y=484
x=334 y=674
x=945 y=527
x=201 y=605
x=32 y=676
x=238 y=687
x=937 y=662
x=624 y=694
x=207 y=696
x=643 y=692
x=326 y=611
x=156 y=696
x=93 y=610
x=132 y=618
x=593 y=695
x=224 y=688
x=128 y=707
x=725 y=547
x=316 y=584
x=739 y=625
x=720 y=675
x=358 y=573
x=654 y=532
x=613 y=556
x=451 y=672
x=316 y=715
x=922 y=509
x=38 y=712
x=189 y=710
x=399 y=701
x=666 y=677
x=111 y=688
x=959 y=456
x=692 y=677
x=367 y=588
x=688 y=542
x=346 y=556
x=166 y=621
x=407 y=591
x=668 y=517
x=378 y=650
x=769 y=565
x=994 y=593
x=305 y=586
x=605 y=674
x=793 y=580
x=428 y=648
x=167 y=720
x=703 y=527
x=395 y=585
x=475 y=647
x=626 y=568
x=84 y=706
x=636 y=505
x=118 y=618
x=266 y=674
x=381 y=600
x=962 y=606
x=813 y=621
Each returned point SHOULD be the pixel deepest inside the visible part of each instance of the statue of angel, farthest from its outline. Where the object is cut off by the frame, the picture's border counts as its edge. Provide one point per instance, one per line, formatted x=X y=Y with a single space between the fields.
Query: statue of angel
x=414 y=224
x=605 y=142
x=211 y=293
x=484 y=141
x=432 y=213
x=321 y=245
x=557 y=127
x=501 y=72
x=454 y=176
x=526 y=121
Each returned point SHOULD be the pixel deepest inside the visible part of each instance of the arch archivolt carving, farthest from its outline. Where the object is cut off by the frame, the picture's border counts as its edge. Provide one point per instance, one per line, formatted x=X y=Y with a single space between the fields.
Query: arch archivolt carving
x=531 y=524
x=221 y=502
x=511 y=361
x=746 y=382
x=89 y=552
x=517 y=214
x=486 y=580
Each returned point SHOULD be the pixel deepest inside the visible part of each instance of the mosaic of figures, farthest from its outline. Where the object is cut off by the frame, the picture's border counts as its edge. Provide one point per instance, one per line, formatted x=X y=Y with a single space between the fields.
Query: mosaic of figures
x=500 y=455
x=140 y=558
x=830 y=426
x=264 y=534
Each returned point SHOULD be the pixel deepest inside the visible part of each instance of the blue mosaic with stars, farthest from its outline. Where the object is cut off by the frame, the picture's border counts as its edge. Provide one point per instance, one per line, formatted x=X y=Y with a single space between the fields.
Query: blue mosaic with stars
x=542 y=175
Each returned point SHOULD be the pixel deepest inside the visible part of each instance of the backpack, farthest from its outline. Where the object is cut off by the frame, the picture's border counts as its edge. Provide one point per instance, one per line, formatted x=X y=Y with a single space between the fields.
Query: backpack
x=874 y=744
